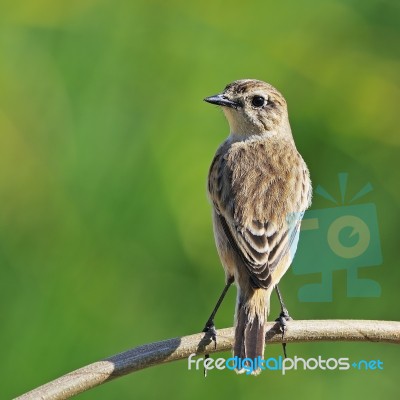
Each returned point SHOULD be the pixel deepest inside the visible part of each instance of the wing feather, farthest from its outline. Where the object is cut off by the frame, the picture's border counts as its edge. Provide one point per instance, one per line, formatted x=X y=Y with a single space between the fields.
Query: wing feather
x=271 y=200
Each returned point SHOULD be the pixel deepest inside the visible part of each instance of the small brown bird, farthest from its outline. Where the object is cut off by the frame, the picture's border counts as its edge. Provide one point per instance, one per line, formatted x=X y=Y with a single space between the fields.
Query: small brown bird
x=259 y=187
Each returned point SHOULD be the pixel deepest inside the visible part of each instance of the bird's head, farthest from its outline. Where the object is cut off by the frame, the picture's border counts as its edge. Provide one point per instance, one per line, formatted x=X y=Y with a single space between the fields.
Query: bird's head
x=253 y=107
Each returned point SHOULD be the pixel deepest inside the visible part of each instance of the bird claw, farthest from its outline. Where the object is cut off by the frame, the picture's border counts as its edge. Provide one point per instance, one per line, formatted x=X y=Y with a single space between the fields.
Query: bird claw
x=210 y=330
x=282 y=319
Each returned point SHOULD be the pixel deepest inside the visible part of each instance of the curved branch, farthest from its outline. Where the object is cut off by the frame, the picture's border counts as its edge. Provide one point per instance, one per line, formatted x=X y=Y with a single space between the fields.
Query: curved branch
x=180 y=348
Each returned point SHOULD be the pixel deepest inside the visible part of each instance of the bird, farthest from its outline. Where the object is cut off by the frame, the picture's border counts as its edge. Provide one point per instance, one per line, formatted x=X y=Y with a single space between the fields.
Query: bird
x=259 y=187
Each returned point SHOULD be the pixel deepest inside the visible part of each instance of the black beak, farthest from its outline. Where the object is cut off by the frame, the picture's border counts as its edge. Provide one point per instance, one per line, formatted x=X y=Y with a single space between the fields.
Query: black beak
x=221 y=100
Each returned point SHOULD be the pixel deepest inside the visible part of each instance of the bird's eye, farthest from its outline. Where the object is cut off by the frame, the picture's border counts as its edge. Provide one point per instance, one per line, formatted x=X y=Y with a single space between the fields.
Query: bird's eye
x=258 y=101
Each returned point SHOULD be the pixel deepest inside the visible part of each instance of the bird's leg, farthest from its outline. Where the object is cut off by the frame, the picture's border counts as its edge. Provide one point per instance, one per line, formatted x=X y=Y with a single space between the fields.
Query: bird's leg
x=209 y=328
x=283 y=317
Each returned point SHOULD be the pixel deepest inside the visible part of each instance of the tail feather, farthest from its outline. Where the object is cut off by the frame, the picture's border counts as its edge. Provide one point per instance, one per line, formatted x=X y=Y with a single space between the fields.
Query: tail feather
x=251 y=315
x=241 y=322
x=254 y=339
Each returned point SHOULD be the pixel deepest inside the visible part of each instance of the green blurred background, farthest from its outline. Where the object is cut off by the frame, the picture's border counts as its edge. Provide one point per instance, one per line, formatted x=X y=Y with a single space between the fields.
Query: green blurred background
x=105 y=143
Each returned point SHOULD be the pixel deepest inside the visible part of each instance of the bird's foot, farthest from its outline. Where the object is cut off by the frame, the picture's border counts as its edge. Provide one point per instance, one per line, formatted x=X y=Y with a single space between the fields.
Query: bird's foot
x=282 y=319
x=210 y=330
